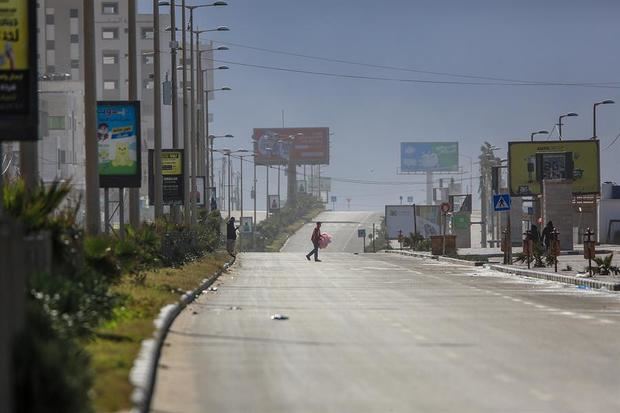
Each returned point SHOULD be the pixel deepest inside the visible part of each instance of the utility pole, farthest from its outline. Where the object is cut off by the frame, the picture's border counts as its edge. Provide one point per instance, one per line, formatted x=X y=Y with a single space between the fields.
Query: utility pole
x=157 y=177
x=175 y=93
x=134 y=193
x=186 y=127
x=93 y=218
x=193 y=116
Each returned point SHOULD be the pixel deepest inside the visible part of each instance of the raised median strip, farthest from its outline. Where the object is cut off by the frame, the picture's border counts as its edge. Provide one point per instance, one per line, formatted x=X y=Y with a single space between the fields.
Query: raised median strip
x=428 y=255
x=144 y=372
x=566 y=279
x=542 y=275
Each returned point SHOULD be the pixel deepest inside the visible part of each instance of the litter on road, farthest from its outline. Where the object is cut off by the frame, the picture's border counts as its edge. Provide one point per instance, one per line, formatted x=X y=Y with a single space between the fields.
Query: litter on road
x=279 y=317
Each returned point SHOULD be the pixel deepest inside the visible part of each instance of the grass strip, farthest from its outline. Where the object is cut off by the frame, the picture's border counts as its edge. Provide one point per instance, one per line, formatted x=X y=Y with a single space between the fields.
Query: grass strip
x=118 y=342
x=277 y=244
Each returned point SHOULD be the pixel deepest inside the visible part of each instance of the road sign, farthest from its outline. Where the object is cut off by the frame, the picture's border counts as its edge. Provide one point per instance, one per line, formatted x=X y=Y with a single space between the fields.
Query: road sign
x=361 y=233
x=502 y=202
x=334 y=199
x=445 y=207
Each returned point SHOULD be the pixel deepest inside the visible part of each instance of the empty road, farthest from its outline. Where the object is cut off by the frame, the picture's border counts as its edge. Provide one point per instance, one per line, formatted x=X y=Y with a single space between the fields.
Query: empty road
x=384 y=333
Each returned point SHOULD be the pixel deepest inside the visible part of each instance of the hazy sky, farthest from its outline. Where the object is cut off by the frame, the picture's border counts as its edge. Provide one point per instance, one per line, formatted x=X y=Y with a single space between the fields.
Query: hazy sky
x=566 y=41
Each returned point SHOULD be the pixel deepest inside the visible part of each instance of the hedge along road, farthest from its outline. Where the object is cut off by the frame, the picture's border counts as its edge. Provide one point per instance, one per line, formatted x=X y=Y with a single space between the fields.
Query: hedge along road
x=380 y=333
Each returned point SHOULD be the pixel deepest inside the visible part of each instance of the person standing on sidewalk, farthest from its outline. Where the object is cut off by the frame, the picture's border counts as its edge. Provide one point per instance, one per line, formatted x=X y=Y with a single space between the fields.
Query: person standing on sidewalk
x=231 y=236
x=547 y=235
x=315 y=238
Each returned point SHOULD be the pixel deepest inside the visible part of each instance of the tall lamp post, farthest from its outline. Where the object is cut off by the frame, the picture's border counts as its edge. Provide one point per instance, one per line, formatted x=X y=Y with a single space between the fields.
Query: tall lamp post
x=540 y=132
x=194 y=97
x=604 y=102
x=568 y=115
x=189 y=131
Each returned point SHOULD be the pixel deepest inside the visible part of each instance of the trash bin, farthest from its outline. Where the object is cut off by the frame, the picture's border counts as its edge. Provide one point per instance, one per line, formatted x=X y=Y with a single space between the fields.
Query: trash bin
x=436 y=244
x=450 y=244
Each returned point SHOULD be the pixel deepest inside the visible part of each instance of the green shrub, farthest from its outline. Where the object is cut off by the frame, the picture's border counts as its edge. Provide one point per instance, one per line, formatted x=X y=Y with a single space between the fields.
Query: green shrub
x=51 y=370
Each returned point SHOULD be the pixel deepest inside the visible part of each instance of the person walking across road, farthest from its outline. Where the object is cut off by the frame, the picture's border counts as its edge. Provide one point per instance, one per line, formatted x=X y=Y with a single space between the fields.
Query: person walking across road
x=231 y=236
x=315 y=238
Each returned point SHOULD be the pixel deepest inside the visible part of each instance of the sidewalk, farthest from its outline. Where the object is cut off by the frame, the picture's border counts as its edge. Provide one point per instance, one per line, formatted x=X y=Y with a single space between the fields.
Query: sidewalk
x=576 y=275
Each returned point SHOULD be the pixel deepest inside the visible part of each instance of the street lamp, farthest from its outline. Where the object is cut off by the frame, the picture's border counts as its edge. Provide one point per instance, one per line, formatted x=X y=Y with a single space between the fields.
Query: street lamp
x=540 y=132
x=568 y=115
x=604 y=102
x=189 y=129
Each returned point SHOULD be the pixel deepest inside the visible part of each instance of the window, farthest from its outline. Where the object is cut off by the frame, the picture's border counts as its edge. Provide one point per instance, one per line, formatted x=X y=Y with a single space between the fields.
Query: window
x=147 y=33
x=110 y=84
x=110 y=58
x=49 y=45
x=109 y=33
x=49 y=19
x=56 y=122
x=75 y=64
x=75 y=38
x=109 y=8
x=73 y=13
x=148 y=59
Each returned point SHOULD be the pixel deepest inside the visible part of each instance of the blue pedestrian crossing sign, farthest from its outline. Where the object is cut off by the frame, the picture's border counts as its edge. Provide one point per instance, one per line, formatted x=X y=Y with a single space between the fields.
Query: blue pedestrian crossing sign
x=502 y=202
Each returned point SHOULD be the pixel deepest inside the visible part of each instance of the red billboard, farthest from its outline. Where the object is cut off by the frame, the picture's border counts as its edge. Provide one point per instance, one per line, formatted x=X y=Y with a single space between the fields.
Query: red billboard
x=304 y=146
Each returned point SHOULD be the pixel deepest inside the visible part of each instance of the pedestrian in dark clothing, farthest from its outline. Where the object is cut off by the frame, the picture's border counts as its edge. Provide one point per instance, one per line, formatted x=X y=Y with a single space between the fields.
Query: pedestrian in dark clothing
x=213 y=204
x=231 y=236
x=535 y=235
x=315 y=238
x=547 y=235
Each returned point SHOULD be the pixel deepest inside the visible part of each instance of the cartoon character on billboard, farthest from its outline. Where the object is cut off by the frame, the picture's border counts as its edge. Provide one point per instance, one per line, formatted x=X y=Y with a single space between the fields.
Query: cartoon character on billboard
x=122 y=157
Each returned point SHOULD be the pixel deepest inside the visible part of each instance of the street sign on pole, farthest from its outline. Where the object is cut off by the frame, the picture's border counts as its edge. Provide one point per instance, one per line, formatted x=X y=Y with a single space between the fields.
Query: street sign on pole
x=502 y=202
x=361 y=233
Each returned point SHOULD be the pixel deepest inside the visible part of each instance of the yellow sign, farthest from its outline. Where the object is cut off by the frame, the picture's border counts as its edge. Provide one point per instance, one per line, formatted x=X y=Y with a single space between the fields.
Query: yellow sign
x=171 y=163
x=530 y=162
x=14 y=35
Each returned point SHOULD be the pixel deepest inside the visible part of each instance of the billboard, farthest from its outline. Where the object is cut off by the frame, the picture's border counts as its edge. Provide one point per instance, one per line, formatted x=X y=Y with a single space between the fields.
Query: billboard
x=305 y=146
x=19 y=113
x=247 y=225
x=429 y=156
x=274 y=203
x=531 y=162
x=118 y=138
x=172 y=176
x=399 y=218
x=199 y=191
x=428 y=220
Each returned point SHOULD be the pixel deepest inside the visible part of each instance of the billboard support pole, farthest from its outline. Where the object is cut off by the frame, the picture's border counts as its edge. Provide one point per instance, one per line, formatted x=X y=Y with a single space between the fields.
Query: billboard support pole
x=429 y=188
x=106 y=210
x=267 y=192
x=121 y=212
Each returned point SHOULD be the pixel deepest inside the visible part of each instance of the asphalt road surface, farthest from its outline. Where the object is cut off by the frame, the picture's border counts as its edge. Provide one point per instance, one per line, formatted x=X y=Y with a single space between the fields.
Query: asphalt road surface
x=342 y=226
x=384 y=333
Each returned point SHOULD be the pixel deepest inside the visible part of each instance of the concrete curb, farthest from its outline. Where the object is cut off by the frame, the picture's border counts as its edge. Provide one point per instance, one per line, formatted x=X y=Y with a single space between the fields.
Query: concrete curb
x=566 y=279
x=143 y=374
x=436 y=257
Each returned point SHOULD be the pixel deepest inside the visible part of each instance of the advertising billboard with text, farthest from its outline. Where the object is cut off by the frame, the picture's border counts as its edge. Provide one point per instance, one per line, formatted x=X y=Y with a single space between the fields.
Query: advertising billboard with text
x=305 y=146
x=118 y=138
x=19 y=114
x=429 y=157
x=531 y=162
